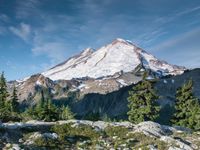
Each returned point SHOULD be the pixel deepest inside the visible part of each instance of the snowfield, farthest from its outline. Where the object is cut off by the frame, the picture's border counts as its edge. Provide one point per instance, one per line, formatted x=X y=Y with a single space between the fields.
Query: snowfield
x=120 y=55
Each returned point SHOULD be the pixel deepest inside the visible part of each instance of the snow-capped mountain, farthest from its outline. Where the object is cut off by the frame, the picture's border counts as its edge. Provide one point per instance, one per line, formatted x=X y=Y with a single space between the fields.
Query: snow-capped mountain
x=99 y=80
x=118 y=56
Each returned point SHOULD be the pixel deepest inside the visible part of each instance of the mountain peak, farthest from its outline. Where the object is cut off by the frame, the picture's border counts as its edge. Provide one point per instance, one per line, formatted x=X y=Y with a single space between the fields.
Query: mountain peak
x=120 y=40
x=120 y=55
x=87 y=51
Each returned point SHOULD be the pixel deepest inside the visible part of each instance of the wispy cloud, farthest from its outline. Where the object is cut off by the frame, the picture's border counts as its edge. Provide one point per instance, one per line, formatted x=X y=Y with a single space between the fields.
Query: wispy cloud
x=4 y=18
x=23 y=31
x=27 y=8
x=175 y=40
x=182 y=49
x=54 y=50
x=53 y=40
x=187 y=11
x=56 y=33
x=2 y=30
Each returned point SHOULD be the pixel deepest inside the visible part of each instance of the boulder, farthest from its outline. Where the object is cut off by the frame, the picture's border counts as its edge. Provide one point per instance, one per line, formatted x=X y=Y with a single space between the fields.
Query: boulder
x=150 y=128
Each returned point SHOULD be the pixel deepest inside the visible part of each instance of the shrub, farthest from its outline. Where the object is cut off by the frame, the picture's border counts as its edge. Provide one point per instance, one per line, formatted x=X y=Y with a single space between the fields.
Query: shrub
x=119 y=131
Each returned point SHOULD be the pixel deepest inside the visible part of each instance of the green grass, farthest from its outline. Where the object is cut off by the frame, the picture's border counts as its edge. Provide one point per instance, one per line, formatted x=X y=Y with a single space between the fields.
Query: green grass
x=86 y=137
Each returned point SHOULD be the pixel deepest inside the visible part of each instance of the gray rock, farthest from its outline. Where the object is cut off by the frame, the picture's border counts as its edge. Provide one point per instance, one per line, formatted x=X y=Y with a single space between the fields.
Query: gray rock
x=181 y=144
x=174 y=148
x=52 y=136
x=153 y=129
x=16 y=147
x=152 y=147
x=37 y=135
x=101 y=125
x=183 y=129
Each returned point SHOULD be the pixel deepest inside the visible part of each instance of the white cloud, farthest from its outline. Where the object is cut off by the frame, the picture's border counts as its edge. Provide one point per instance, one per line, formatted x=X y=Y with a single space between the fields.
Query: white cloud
x=178 y=40
x=190 y=10
x=54 y=50
x=57 y=40
x=23 y=31
x=181 y=50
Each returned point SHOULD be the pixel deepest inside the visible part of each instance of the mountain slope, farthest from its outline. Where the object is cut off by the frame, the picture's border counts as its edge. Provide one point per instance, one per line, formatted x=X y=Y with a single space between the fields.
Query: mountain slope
x=119 y=56
x=99 y=80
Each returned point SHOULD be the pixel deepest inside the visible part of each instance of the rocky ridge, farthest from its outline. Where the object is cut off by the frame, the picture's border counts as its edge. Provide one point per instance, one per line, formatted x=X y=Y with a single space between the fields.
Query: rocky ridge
x=110 y=68
x=172 y=138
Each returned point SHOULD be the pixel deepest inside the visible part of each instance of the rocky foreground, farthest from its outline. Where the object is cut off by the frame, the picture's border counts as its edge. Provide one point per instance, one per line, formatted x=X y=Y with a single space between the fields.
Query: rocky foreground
x=99 y=135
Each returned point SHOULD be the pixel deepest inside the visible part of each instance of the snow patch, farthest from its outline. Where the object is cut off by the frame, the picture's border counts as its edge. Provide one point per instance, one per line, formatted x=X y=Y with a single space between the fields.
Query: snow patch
x=81 y=86
x=173 y=81
x=38 y=83
x=150 y=78
x=23 y=80
x=122 y=82
x=165 y=81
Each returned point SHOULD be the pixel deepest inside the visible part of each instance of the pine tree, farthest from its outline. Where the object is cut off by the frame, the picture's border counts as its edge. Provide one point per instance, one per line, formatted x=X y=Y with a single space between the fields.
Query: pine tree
x=4 y=110
x=196 y=117
x=41 y=101
x=187 y=107
x=52 y=113
x=3 y=91
x=66 y=113
x=143 y=103
x=7 y=106
x=39 y=109
x=14 y=101
x=44 y=110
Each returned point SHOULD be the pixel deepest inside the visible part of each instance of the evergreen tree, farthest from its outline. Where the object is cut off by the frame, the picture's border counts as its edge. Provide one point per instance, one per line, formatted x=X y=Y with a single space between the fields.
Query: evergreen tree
x=187 y=107
x=29 y=113
x=44 y=110
x=51 y=111
x=14 y=101
x=143 y=103
x=39 y=110
x=66 y=113
x=42 y=101
x=3 y=91
x=4 y=110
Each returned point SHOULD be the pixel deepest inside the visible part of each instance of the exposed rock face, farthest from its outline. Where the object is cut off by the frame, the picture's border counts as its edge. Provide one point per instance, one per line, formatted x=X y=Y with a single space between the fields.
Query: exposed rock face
x=105 y=70
x=98 y=81
x=103 y=96
x=162 y=132
x=30 y=88
x=154 y=129
x=167 y=86
x=151 y=129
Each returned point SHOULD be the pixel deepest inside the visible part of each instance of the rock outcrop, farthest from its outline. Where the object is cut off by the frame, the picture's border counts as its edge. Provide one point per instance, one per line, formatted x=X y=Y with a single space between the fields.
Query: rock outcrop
x=12 y=134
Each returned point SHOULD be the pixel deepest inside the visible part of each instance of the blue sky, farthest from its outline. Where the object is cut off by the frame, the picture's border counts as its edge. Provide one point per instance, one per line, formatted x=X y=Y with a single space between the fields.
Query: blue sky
x=37 y=34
